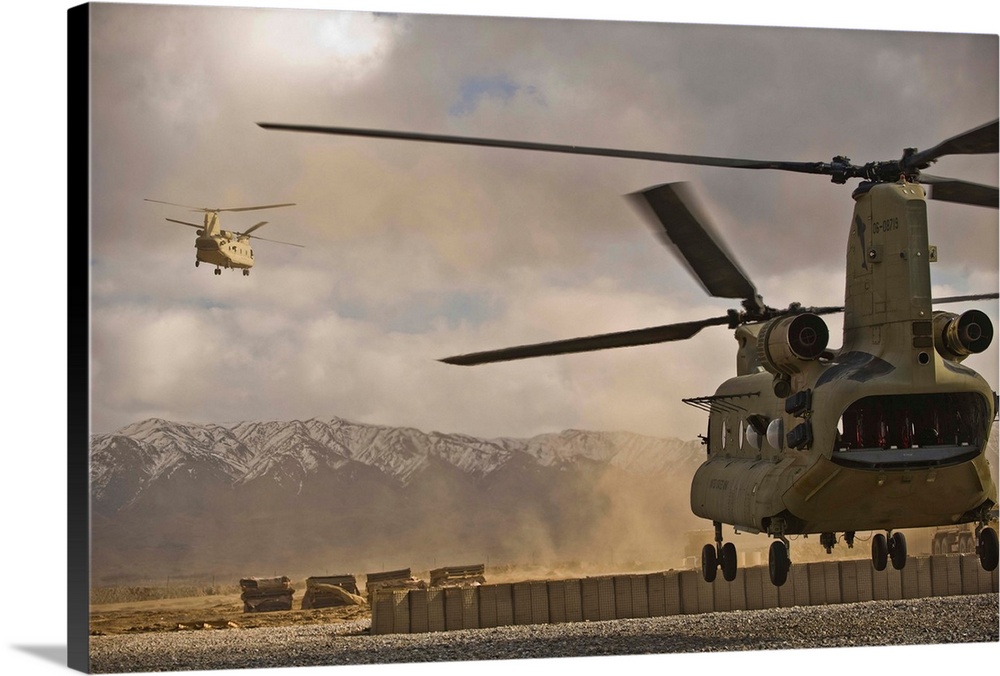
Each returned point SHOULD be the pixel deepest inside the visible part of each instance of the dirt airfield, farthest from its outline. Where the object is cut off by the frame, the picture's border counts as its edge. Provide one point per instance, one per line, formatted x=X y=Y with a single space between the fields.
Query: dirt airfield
x=135 y=610
x=208 y=612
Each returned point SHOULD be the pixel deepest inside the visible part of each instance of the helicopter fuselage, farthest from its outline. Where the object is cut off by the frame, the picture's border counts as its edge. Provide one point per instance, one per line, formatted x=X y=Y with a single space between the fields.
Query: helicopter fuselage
x=887 y=432
x=224 y=250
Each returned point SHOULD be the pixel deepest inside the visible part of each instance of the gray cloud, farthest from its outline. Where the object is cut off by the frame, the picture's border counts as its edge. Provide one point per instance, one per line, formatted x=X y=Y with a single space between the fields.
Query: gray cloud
x=416 y=251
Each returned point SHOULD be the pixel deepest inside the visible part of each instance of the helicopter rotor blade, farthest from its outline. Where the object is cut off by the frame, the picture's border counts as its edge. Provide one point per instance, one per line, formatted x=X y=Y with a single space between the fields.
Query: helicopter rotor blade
x=982 y=139
x=604 y=341
x=978 y=141
x=961 y=192
x=174 y=204
x=275 y=241
x=264 y=239
x=193 y=225
x=216 y=210
x=962 y=299
x=703 y=160
x=253 y=227
x=681 y=223
x=265 y=206
x=826 y=310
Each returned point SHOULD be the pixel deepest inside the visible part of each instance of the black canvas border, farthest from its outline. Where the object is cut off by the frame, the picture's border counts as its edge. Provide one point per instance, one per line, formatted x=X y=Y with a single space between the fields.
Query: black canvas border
x=78 y=338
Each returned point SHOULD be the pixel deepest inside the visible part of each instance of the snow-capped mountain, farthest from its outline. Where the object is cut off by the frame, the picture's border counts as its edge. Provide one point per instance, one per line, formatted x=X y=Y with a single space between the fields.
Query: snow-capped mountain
x=169 y=498
x=126 y=462
x=327 y=496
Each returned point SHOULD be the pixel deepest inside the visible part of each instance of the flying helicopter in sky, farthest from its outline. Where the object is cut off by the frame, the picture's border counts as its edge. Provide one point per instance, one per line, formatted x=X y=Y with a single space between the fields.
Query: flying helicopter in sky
x=225 y=248
x=885 y=433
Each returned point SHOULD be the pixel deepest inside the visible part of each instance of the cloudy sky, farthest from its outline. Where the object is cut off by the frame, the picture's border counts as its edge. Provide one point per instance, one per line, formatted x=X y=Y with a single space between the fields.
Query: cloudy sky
x=179 y=98
x=414 y=251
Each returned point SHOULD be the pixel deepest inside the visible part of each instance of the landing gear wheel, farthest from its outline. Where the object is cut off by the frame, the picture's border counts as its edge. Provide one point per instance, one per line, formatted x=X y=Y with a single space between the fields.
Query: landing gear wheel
x=988 y=554
x=880 y=551
x=778 y=563
x=218 y=271
x=728 y=561
x=897 y=550
x=709 y=563
x=197 y=263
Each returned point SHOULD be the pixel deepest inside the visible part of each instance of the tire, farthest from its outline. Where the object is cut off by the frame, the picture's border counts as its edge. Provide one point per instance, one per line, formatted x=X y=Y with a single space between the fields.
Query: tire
x=880 y=551
x=778 y=563
x=897 y=550
x=988 y=554
x=728 y=561
x=709 y=563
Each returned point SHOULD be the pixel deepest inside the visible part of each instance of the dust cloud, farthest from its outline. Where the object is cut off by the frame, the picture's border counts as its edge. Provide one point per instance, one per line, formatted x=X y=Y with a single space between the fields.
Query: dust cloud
x=584 y=519
x=525 y=522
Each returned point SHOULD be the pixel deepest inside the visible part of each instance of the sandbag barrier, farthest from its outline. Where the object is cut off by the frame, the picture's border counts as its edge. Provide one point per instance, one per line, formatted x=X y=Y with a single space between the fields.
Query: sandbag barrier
x=328 y=591
x=610 y=597
x=266 y=594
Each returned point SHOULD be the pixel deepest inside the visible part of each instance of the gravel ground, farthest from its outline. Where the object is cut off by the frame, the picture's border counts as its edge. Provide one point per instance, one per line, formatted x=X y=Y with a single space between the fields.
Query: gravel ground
x=941 y=620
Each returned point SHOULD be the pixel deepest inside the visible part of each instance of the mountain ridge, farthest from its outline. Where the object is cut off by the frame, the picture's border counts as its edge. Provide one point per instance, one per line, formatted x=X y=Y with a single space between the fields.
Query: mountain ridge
x=320 y=496
x=171 y=497
x=292 y=450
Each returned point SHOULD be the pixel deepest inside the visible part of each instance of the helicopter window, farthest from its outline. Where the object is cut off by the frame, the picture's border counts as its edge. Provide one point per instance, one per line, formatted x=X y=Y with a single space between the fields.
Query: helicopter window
x=776 y=434
x=753 y=438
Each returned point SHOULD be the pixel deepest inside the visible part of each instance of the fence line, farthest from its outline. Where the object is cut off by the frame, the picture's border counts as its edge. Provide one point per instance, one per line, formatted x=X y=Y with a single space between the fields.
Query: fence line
x=609 y=597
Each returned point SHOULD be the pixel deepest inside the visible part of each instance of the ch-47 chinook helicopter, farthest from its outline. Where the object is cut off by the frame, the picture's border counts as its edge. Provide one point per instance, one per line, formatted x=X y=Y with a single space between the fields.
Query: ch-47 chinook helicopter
x=225 y=248
x=887 y=432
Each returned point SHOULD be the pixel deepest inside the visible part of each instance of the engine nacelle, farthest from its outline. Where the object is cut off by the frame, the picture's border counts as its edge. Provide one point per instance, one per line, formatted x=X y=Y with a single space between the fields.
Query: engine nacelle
x=958 y=336
x=785 y=345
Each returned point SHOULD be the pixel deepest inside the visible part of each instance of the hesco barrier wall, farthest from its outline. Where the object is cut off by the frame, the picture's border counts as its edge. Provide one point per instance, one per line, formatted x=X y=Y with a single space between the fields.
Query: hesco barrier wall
x=610 y=597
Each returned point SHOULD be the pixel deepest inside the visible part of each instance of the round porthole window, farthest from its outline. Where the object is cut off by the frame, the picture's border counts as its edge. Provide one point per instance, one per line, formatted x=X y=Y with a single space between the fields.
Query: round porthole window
x=776 y=434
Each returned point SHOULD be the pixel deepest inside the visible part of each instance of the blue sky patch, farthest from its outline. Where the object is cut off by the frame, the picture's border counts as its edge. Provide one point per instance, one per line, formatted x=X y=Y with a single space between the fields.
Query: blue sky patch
x=475 y=89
